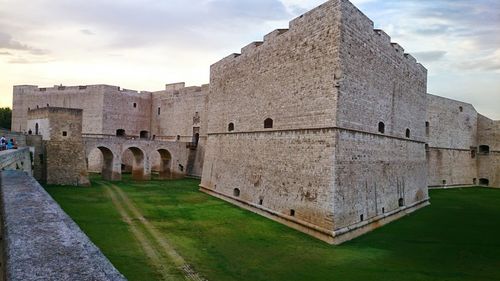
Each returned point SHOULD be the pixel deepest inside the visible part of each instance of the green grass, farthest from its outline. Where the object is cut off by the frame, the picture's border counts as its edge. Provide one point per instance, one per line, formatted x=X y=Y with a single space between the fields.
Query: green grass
x=456 y=238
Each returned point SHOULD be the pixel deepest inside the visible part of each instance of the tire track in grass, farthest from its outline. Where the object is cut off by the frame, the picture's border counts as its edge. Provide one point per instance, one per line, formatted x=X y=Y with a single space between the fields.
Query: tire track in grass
x=144 y=242
x=178 y=260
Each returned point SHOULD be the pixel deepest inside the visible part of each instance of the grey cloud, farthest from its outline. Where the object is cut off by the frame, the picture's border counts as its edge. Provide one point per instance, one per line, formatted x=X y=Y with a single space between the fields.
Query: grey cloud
x=86 y=32
x=5 y=54
x=429 y=56
x=6 y=42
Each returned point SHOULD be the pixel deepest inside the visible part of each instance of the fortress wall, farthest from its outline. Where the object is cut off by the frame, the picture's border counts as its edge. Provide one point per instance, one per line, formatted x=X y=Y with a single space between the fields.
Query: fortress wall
x=288 y=170
x=41 y=242
x=489 y=164
x=119 y=111
x=88 y=98
x=377 y=81
x=452 y=139
x=63 y=145
x=187 y=106
x=372 y=173
x=452 y=124
x=289 y=78
x=449 y=167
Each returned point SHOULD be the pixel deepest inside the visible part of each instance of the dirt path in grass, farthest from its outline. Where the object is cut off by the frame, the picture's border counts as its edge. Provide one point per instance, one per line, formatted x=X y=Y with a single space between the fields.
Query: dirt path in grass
x=141 y=229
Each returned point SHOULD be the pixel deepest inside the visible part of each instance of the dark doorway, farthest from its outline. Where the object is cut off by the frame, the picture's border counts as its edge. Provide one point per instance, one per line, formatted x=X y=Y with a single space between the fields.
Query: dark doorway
x=120 y=133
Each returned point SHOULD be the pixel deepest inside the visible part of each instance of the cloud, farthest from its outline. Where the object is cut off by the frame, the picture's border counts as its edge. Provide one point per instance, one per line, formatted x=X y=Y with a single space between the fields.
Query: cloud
x=429 y=56
x=5 y=54
x=6 y=42
x=86 y=32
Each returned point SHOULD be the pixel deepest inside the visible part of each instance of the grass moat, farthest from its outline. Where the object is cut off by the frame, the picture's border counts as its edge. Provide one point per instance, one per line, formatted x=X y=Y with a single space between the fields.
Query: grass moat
x=152 y=230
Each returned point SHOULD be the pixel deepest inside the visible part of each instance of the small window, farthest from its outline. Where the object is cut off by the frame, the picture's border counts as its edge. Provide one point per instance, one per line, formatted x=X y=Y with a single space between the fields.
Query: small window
x=484 y=149
x=144 y=135
x=427 y=124
x=381 y=127
x=383 y=210
x=461 y=109
x=65 y=134
x=474 y=181
x=268 y=123
x=178 y=138
x=29 y=109
x=236 y=192
x=261 y=201
x=37 y=107
x=159 y=111
x=120 y=133
x=407 y=133
x=181 y=168
x=401 y=202
x=473 y=152
x=230 y=127
x=485 y=182
x=292 y=213
x=426 y=147
x=444 y=182
x=135 y=105
x=48 y=105
x=361 y=217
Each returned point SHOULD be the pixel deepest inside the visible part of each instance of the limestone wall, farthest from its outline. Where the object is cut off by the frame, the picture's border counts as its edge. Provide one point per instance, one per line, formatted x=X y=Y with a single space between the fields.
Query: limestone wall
x=287 y=170
x=63 y=150
x=178 y=113
x=489 y=163
x=372 y=173
x=326 y=83
x=41 y=242
x=377 y=81
x=452 y=132
x=88 y=98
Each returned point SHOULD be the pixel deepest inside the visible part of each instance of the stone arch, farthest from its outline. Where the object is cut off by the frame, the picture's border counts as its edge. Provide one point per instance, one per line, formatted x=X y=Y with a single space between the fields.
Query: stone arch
x=165 y=165
x=138 y=167
x=104 y=163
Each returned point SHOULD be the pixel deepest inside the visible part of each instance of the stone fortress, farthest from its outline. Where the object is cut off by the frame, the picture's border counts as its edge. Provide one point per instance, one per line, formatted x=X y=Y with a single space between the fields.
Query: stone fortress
x=326 y=127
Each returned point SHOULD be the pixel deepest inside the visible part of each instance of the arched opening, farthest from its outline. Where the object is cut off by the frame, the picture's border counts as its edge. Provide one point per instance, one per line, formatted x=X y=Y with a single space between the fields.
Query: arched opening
x=236 y=192
x=484 y=182
x=407 y=133
x=268 y=123
x=427 y=128
x=230 y=127
x=401 y=202
x=36 y=129
x=100 y=161
x=381 y=127
x=484 y=149
x=133 y=161
x=461 y=109
x=144 y=135
x=163 y=164
x=120 y=133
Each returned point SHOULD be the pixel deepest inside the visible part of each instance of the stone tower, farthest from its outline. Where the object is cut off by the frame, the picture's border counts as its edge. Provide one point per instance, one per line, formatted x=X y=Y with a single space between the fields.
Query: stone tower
x=320 y=126
x=61 y=131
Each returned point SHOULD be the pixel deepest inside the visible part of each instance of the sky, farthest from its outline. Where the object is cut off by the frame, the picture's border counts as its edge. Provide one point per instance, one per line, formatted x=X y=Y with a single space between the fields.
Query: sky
x=144 y=44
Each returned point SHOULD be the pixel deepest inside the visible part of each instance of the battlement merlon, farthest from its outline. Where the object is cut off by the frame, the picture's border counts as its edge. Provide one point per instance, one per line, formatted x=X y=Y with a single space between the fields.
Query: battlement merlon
x=350 y=15
x=175 y=86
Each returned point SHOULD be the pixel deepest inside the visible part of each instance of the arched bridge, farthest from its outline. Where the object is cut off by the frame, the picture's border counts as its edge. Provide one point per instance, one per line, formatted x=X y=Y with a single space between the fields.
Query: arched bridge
x=169 y=159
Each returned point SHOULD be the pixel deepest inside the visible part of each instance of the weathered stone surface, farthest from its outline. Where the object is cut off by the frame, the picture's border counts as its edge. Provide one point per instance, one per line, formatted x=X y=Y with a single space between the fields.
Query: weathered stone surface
x=326 y=82
x=41 y=241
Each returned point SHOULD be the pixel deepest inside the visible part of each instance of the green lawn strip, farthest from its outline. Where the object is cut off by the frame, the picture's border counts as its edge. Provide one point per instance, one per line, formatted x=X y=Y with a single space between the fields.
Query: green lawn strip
x=94 y=212
x=456 y=238
x=228 y=243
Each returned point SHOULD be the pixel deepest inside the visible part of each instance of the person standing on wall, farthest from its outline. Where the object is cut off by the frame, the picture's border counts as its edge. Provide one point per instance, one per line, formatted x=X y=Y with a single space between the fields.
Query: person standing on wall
x=3 y=143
